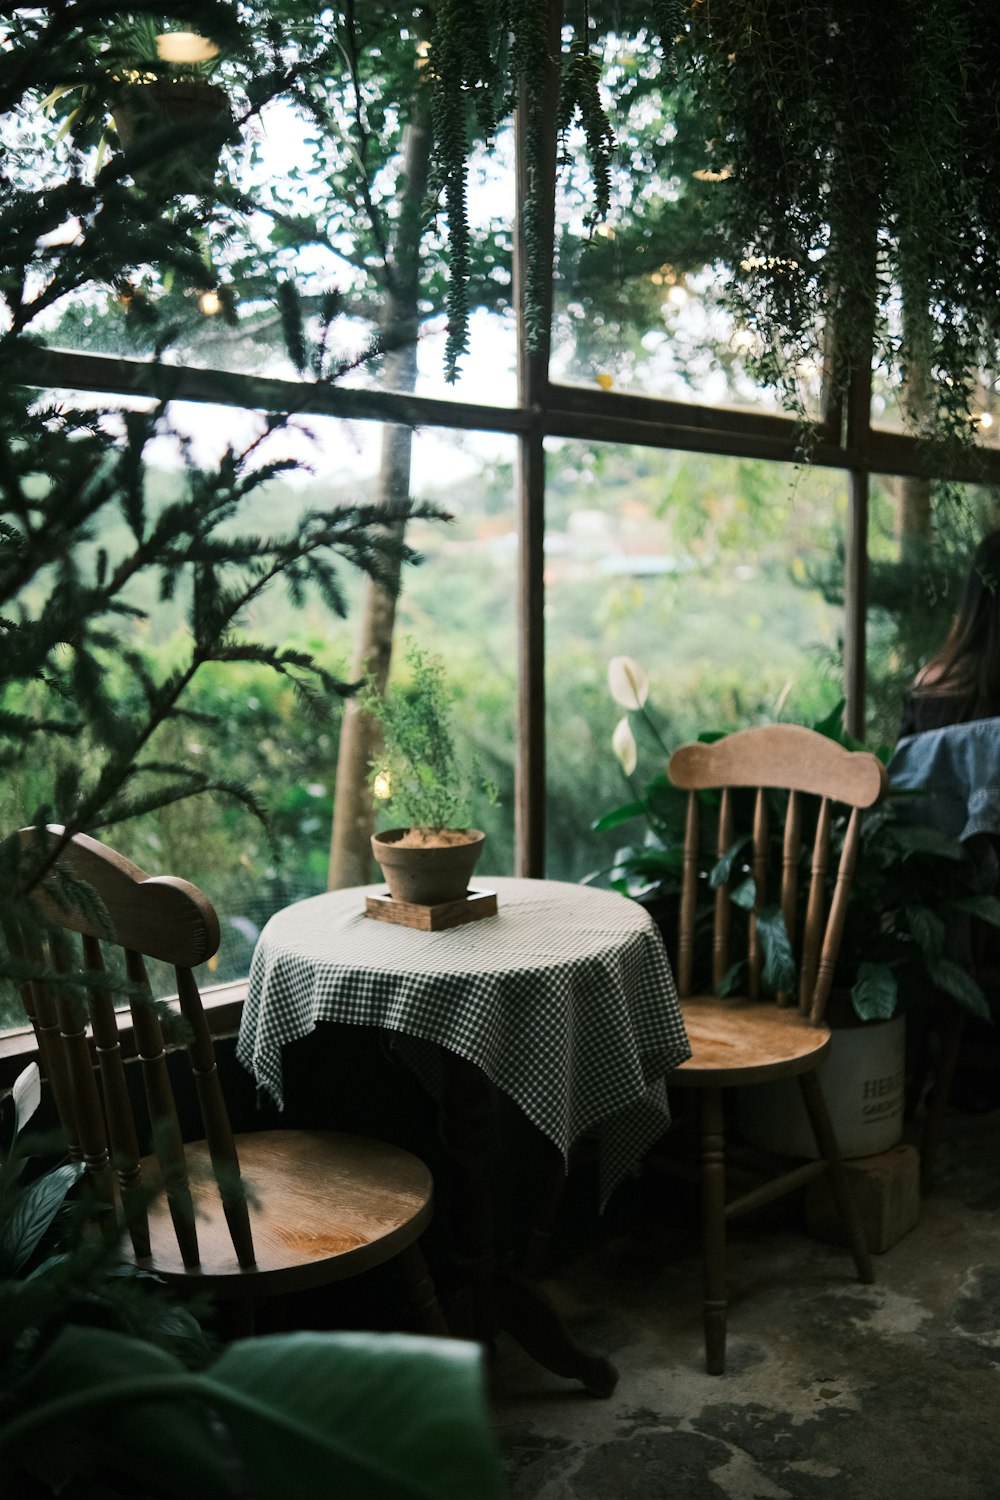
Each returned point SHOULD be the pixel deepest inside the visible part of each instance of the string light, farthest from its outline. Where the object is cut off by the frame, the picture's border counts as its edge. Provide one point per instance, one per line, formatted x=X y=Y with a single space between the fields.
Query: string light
x=382 y=786
x=185 y=47
x=210 y=303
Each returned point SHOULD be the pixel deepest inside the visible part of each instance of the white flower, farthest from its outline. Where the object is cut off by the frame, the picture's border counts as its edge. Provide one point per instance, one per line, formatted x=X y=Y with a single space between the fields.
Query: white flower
x=623 y=744
x=628 y=682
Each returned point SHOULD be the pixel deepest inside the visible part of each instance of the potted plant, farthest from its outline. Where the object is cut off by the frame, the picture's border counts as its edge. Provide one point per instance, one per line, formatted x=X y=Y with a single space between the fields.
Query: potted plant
x=429 y=858
x=913 y=893
x=153 y=88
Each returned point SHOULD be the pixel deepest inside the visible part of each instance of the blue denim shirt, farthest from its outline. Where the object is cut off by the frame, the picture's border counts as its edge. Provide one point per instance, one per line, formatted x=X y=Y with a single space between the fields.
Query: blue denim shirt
x=957 y=770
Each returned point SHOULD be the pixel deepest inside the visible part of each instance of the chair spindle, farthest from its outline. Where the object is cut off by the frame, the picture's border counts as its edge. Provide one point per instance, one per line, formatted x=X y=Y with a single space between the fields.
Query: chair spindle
x=720 y=941
x=814 y=909
x=689 y=899
x=167 y=1140
x=759 y=867
x=790 y=854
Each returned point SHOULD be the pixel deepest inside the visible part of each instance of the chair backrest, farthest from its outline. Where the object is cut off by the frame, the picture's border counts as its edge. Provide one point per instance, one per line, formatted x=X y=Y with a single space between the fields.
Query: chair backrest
x=89 y=890
x=778 y=758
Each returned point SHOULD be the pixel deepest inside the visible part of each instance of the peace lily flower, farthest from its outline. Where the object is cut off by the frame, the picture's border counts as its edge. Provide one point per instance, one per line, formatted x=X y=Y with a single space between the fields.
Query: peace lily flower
x=628 y=682
x=624 y=746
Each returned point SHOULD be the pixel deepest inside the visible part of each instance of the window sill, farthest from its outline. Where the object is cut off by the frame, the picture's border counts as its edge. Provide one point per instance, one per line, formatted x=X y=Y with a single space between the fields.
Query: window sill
x=223 y=1007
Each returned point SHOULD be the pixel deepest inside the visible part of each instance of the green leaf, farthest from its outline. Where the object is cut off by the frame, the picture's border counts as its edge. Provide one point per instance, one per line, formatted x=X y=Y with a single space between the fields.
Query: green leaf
x=833 y=725
x=986 y=908
x=722 y=870
x=916 y=838
x=779 y=960
x=33 y=1211
x=928 y=930
x=957 y=982
x=730 y=981
x=744 y=894
x=875 y=992
x=165 y=1442
x=618 y=815
x=361 y=1415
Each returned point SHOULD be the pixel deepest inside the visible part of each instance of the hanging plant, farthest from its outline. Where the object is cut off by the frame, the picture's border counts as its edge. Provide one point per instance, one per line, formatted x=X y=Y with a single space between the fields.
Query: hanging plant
x=853 y=163
x=482 y=59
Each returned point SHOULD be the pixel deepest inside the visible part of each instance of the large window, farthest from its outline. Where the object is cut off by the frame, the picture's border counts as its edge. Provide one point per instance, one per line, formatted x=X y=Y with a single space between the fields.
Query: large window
x=620 y=487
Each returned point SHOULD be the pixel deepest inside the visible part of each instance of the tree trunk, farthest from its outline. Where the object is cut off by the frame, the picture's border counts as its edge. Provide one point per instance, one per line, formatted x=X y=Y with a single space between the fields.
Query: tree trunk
x=353 y=815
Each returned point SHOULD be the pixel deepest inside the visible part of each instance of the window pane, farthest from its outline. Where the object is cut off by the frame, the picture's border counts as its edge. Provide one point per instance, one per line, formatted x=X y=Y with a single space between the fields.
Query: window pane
x=247 y=723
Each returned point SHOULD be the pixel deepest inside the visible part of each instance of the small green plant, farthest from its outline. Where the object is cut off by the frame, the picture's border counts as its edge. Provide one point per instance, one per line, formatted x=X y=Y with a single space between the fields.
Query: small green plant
x=419 y=775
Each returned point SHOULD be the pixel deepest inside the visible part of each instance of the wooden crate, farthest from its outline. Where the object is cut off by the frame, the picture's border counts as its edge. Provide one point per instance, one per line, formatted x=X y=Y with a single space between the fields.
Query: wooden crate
x=472 y=908
x=886 y=1190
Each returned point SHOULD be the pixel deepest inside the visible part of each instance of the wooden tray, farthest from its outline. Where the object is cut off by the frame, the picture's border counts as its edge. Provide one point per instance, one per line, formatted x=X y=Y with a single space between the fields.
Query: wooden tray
x=473 y=906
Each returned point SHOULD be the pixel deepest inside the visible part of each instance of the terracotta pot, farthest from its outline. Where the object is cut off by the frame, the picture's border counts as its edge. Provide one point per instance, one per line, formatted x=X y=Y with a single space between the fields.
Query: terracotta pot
x=426 y=874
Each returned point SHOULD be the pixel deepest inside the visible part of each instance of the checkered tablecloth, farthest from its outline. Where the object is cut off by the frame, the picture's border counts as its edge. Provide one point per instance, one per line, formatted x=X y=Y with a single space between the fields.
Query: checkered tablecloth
x=565 y=1000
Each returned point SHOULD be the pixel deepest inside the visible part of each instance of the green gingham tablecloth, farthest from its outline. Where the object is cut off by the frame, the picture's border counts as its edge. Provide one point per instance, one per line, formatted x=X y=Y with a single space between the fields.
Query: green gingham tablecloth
x=564 y=999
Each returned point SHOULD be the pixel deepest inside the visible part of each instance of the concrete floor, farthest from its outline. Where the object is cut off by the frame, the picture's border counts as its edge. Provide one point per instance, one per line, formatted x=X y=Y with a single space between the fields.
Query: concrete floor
x=833 y=1390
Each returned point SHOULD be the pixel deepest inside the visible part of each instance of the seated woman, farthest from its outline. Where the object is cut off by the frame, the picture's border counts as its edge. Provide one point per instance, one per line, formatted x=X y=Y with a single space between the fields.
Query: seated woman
x=962 y=682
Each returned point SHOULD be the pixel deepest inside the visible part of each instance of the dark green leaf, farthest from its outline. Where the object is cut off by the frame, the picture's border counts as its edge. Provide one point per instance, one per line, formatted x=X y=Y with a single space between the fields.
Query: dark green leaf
x=875 y=992
x=957 y=982
x=360 y=1415
x=731 y=979
x=744 y=894
x=32 y=1213
x=165 y=1442
x=927 y=928
x=915 y=838
x=779 y=960
x=617 y=816
x=722 y=870
x=986 y=908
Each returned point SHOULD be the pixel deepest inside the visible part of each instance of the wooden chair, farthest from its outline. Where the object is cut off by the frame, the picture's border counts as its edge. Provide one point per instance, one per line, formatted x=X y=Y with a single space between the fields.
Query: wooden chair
x=748 y=1039
x=242 y=1217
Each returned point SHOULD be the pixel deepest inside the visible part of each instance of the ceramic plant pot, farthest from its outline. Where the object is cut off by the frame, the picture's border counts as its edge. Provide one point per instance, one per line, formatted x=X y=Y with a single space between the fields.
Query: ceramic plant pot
x=862 y=1076
x=427 y=874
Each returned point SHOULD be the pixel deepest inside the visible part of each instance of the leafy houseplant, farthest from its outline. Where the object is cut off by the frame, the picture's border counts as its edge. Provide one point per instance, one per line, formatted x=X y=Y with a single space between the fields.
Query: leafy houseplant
x=108 y=1389
x=431 y=856
x=913 y=893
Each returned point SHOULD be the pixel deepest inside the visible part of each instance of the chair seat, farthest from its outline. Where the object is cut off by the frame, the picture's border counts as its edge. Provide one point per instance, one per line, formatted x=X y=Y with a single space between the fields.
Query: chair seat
x=323 y=1206
x=740 y=1041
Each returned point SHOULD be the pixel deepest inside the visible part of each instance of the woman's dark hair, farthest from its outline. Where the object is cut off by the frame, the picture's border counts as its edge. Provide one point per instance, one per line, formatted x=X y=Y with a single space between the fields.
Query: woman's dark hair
x=967 y=668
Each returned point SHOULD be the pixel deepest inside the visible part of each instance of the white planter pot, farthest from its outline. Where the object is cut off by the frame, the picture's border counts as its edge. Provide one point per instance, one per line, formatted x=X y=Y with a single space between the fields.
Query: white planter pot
x=862 y=1077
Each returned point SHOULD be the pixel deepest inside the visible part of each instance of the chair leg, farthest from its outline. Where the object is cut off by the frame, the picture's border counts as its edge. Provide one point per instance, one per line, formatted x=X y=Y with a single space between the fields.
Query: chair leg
x=713 y=1219
x=421 y=1293
x=812 y=1098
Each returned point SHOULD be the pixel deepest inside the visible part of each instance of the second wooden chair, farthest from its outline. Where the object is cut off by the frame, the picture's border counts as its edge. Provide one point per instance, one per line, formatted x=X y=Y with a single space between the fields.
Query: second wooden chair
x=747 y=1039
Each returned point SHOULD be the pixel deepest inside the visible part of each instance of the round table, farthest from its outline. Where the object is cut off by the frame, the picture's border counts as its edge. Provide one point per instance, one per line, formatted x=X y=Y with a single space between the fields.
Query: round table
x=564 y=1000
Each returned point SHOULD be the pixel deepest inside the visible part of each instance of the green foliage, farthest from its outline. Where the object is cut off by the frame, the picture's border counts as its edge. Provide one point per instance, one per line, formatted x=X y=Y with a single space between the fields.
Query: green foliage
x=907 y=924
x=92 y=724
x=419 y=774
x=107 y=1388
x=852 y=156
